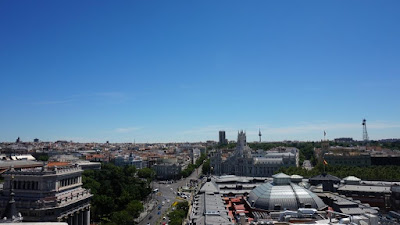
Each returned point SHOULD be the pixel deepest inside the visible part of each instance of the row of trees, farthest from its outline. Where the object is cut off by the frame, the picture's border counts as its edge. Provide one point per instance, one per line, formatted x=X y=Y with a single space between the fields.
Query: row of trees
x=191 y=167
x=178 y=215
x=117 y=193
x=206 y=167
x=384 y=173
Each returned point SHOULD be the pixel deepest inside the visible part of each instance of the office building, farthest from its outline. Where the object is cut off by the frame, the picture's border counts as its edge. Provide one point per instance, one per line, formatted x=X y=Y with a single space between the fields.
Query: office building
x=222 y=138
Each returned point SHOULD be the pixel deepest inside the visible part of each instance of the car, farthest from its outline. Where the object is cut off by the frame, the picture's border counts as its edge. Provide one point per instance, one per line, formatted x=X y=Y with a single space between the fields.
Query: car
x=148 y=224
x=150 y=217
x=164 y=218
x=159 y=212
x=159 y=207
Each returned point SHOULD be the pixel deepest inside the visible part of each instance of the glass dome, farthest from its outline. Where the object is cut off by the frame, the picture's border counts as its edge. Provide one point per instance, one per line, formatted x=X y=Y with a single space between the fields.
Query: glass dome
x=278 y=195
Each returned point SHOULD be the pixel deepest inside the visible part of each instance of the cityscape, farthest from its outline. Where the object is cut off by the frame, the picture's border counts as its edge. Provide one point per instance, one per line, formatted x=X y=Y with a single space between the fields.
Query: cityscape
x=199 y=112
x=215 y=182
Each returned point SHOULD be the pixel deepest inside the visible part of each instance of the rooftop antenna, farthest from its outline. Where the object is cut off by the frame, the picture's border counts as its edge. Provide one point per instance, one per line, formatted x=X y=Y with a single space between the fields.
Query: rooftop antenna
x=365 y=133
x=259 y=134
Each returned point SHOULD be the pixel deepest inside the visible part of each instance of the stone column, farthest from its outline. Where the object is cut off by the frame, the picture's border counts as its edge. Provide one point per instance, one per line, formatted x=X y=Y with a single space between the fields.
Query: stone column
x=87 y=218
x=80 y=218
x=76 y=218
x=69 y=220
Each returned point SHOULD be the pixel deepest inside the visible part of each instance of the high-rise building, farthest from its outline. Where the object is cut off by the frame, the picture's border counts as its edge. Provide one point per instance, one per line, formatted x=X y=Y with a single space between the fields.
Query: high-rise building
x=222 y=138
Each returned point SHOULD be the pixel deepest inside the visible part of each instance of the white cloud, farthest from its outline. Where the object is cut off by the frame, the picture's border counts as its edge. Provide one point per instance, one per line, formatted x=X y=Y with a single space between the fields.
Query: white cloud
x=126 y=129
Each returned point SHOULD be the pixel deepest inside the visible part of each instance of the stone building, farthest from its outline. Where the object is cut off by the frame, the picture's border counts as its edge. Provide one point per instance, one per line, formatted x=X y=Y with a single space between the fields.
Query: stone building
x=48 y=194
x=245 y=162
x=167 y=171
x=361 y=159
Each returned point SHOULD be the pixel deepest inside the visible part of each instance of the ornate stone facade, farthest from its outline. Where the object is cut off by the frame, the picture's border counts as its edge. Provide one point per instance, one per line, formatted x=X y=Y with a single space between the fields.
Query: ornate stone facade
x=48 y=194
x=245 y=162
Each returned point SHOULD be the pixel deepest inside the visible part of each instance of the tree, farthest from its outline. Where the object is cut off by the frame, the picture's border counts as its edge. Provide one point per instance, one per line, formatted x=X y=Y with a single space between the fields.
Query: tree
x=135 y=208
x=179 y=214
x=116 y=192
x=206 y=167
x=146 y=173
x=122 y=218
x=130 y=171
x=43 y=158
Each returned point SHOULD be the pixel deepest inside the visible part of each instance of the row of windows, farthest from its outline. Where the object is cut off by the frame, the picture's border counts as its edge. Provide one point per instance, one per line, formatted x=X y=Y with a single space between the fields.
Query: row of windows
x=362 y=162
x=69 y=181
x=263 y=170
x=26 y=185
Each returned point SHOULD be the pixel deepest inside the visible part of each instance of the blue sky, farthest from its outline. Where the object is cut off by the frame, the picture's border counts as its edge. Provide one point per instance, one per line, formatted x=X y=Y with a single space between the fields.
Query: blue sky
x=173 y=71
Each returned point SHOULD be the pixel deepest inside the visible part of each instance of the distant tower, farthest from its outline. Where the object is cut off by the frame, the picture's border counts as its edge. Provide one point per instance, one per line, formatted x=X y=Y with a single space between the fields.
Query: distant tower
x=259 y=134
x=241 y=143
x=222 y=138
x=365 y=133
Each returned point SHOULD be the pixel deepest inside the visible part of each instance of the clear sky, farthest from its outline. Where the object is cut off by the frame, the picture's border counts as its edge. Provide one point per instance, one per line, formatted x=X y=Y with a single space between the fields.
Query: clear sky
x=173 y=71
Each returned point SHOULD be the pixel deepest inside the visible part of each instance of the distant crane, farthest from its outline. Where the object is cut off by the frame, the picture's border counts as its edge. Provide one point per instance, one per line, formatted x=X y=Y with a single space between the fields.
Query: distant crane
x=259 y=134
x=365 y=133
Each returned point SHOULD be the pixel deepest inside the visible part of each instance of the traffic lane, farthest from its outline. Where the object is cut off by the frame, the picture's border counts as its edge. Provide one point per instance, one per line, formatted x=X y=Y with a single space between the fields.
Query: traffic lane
x=153 y=216
x=150 y=218
x=157 y=213
x=166 y=193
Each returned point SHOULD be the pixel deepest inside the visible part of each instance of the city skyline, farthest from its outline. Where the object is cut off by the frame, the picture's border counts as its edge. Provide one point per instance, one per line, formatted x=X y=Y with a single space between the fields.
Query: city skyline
x=277 y=134
x=181 y=71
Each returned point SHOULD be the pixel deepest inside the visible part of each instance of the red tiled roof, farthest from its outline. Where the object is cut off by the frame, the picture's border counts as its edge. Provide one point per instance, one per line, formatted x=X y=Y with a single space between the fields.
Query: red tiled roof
x=239 y=207
x=235 y=200
x=52 y=164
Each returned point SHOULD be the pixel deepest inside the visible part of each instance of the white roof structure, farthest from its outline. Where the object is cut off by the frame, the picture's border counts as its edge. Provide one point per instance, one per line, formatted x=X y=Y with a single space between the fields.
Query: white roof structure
x=281 y=194
x=351 y=178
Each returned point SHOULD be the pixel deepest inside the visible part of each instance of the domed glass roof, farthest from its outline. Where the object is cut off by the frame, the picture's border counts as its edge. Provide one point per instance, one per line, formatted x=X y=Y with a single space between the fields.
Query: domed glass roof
x=278 y=196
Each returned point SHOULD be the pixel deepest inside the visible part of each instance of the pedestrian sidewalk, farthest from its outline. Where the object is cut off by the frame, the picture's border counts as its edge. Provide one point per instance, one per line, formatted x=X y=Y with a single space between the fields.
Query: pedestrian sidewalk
x=148 y=207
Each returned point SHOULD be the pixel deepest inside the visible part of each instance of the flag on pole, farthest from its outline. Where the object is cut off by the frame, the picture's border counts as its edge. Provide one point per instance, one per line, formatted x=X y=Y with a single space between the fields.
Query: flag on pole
x=325 y=162
x=324 y=133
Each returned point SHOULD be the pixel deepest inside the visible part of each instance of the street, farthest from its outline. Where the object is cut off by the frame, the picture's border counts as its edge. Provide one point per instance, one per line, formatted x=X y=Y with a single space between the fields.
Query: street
x=167 y=192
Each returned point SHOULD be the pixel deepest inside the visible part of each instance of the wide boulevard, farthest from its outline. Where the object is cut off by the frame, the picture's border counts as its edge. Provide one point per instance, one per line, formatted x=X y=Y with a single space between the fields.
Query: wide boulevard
x=167 y=193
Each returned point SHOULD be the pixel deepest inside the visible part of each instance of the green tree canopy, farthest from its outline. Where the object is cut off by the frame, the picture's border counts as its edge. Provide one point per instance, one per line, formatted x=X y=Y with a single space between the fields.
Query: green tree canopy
x=146 y=173
x=117 y=192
